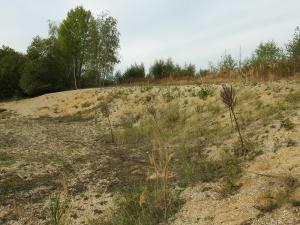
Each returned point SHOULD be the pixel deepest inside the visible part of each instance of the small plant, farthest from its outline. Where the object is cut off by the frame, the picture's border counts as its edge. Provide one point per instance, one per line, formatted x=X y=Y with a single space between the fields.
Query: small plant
x=287 y=124
x=104 y=108
x=56 y=210
x=204 y=92
x=199 y=109
x=168 y=97
x=228 y=97
x=86 y=104
x=293 y=97
x=232 y=170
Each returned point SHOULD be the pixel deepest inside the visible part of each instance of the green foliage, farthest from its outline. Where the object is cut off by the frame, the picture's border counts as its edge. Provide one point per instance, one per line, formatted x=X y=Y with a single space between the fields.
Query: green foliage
x=134 y=72
x=266 y=54
x=293 y=98
x=73 y=36
x=287 y=124
x=227 y=63
x=163 y=69
x=205 y=92
x=144 y=206
x=204 y=72
x=187 y=70
x=57 y=209
x=90 y=44
x=293 y=47
x=42 y=71
x=194 y=166
x=103 y=47
x=11 y=66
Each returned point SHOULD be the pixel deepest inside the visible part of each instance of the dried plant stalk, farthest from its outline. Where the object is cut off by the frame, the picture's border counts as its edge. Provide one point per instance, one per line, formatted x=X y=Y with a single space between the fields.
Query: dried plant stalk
x=228 y=96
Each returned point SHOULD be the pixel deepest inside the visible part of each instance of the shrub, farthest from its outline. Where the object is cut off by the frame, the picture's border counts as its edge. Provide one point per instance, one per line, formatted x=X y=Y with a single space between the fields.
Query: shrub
x=204 y=92
x=287 y=124
x=134 y=72
x=293 y=97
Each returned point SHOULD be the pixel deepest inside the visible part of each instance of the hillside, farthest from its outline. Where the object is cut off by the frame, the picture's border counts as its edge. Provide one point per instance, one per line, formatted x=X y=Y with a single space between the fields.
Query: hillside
x=57 y=152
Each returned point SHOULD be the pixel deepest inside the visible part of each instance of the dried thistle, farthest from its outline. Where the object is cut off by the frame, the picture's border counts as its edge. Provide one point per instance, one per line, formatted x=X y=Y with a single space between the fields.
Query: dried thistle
x=104 y=109
x=228 y=97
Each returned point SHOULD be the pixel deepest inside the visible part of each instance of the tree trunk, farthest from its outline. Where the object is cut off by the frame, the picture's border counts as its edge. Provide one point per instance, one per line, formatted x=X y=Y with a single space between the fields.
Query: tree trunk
x=74 y=74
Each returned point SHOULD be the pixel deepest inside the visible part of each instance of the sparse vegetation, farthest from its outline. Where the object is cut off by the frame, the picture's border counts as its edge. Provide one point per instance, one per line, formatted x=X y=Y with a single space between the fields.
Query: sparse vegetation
x=132 y=154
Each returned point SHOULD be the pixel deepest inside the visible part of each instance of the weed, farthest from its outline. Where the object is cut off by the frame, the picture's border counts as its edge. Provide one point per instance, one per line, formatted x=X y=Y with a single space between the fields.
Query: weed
x=199 y=108
x=104 y=108
x=146 y=88
x=168 y=97
x=205 y=92
x=214 y=109
x=171 y=115
x=148 y=98
x=144 y=206
x=287 y=124
x=6 y=158
x=127 y=120
x=232 y=171
x=293 y=97
x=130 y=135
x=86 y=104
x=57 y=209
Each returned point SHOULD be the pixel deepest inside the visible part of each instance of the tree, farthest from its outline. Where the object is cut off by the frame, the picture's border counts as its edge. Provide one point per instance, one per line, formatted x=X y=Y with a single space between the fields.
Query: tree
x=162 y=69
x=74 y=36
x=293 y=47
x=227 y=63
x=188 y=70
x=43 y=70
x=267 y=53
x=103 y=48
x=11 y=66
x=134 y=72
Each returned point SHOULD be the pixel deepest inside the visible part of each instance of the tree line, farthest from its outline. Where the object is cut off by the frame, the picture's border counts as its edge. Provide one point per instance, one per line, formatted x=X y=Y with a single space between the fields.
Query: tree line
x=82 y=51
x=79 y=52
x=267 y=58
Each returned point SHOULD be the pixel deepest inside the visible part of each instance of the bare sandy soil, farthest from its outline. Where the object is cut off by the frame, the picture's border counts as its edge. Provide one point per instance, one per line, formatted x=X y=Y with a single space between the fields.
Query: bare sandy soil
x=56 y=144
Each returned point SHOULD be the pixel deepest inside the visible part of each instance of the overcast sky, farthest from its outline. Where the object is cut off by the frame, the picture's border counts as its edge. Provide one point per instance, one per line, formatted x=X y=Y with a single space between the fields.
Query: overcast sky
x=195 y=31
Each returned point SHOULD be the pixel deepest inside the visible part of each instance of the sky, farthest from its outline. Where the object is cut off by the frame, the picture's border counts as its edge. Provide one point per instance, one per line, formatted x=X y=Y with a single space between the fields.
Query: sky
x=188 y=31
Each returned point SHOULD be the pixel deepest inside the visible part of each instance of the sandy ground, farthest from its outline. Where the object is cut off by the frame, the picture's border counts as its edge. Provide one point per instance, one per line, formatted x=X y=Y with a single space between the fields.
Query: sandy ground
x=51 y=143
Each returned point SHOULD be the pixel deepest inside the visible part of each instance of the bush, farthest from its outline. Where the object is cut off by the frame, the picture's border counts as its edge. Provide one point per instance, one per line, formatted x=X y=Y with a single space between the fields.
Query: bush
x=205 y=92
x=134 y=72
x=11 y=66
